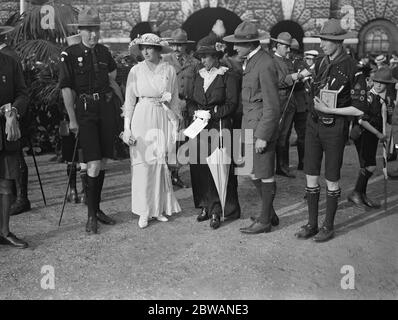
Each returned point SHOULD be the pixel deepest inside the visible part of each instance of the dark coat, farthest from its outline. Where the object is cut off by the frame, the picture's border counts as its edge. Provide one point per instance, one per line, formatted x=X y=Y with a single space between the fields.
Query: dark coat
x=12 y=90
x=260 y=99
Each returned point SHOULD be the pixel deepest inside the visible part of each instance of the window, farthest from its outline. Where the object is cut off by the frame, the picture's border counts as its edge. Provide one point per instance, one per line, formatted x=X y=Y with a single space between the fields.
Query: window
x=377 y=41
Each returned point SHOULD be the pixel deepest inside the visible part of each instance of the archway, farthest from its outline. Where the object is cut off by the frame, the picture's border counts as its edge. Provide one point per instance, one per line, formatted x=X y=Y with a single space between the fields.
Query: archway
x=295 y=30
x=199 y=24
x=377 y=37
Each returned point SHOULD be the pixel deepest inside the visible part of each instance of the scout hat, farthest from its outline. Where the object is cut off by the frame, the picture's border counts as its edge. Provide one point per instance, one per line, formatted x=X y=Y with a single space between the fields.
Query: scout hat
x=284 y=38
x=384 y=75
x=150 y=39
x=311 y=53
x=88 y=17
x=5 y=29
x=332 y=30
x=246 y=32
x=209 y=45
x=179 y=36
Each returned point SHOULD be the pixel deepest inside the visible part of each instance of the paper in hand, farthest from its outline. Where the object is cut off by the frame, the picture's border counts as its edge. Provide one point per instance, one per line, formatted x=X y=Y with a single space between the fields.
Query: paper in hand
x=195 y=128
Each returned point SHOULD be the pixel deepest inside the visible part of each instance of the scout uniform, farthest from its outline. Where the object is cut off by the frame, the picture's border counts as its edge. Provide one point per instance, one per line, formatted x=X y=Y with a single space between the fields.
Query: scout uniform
x=261 y=114
x=85 y=71
x=366 y=144
x=327 y=133
x=13 y=103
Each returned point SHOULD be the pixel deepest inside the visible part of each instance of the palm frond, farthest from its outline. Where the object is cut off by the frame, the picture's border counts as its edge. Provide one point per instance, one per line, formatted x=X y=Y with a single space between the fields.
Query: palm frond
x=38 y=50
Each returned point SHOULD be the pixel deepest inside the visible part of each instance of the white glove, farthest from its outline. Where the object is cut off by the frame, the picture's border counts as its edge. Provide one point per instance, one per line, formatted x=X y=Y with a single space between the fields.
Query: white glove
x=128 y=138
x=203 y=114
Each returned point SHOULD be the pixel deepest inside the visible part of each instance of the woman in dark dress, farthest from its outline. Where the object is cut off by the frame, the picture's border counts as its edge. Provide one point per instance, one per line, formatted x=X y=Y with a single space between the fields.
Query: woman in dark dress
x=215 y=97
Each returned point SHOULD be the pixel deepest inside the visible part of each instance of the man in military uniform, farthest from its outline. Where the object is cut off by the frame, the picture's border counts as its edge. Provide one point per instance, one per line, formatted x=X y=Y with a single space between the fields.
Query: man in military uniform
x=261 y=113
x=13 y=105
x=327 y=127
x=85 y=72
x=21 y=203
x=185 y=66
x=286 y=78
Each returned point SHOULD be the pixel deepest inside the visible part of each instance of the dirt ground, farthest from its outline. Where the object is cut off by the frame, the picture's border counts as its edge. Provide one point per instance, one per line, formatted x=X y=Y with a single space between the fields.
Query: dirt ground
x=184 y=259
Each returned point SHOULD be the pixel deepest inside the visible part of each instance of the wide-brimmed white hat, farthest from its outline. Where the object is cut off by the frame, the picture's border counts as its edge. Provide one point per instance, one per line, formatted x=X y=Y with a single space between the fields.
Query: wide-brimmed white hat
x=150 y=39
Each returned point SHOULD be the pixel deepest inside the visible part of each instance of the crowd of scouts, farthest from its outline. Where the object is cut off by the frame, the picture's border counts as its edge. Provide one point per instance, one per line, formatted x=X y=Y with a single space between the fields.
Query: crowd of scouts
x=231 y=82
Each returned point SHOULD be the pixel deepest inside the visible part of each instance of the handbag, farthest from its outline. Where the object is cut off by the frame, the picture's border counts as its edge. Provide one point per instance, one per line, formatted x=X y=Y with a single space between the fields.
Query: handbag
x=356 y=132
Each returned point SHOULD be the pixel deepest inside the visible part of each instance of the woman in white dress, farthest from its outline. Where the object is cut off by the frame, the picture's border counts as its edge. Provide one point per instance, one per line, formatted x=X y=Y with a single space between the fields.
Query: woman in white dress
x=150 y=123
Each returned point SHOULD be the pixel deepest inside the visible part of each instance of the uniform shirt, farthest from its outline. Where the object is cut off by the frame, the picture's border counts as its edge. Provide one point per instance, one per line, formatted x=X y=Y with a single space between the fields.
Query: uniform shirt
x=12 y=88
x=185 y=73
x=373 y=114
x=341 y=73
x=77 y=70
x=285 y=69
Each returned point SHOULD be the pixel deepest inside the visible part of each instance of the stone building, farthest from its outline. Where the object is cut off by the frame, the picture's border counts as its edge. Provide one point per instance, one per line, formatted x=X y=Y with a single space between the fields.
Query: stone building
x=374 y=21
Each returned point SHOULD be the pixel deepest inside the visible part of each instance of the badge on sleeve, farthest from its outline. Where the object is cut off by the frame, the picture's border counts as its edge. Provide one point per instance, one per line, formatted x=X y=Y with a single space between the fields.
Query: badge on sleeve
x=361 y=98
x=80 y=59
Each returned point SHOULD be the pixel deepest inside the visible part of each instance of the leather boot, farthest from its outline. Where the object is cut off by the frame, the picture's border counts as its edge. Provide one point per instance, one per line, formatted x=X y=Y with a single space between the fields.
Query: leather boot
x=175 y=179
x=73 y=195
x=356 y=196
x=327 y=230
x=83 y=193
x=311 y=228
x=92 y=204
x=22 y=203
x=101 y=216
x=203 y=215
x=369 y=202
x=215 y=221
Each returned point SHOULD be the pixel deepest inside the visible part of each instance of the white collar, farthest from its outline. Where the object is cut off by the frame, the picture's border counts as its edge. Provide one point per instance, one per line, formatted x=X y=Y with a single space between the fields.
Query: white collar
x=251 y=54
x=278 y=55
x=209 y=76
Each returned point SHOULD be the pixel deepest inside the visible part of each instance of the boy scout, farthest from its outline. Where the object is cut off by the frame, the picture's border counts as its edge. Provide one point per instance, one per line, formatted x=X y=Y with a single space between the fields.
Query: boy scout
x=85 y=70
x=327 y=128
x=261 y=113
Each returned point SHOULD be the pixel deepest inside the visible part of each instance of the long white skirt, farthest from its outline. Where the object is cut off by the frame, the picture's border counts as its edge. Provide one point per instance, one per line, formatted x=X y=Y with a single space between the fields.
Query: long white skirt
x=151 y=188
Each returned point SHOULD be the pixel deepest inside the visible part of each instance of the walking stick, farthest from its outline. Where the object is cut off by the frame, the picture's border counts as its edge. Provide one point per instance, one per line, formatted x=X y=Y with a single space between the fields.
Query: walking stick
x=384 y=116
x=67 y=187
x=37 y=171
x=287 y=103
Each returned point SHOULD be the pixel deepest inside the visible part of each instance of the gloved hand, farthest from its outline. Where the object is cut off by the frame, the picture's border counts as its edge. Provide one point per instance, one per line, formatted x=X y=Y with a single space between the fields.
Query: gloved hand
x=203 y=114
x=128 y=138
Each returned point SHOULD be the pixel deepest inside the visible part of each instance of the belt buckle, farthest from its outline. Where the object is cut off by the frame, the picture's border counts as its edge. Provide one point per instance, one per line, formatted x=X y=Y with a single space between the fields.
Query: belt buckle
x=327 y=121
x=96 y=96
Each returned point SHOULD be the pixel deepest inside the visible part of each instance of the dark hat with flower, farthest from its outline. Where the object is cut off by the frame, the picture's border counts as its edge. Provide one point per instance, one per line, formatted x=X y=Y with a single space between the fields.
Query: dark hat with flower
x=210 y=45
x=384 y=75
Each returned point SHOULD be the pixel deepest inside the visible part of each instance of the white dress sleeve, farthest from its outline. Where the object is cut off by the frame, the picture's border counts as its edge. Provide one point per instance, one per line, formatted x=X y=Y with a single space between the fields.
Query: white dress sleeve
x=131 y=98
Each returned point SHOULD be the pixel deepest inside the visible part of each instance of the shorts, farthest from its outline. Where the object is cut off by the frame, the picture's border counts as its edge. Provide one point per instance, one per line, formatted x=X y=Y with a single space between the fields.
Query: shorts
x=9 y=165
x=264 y=163
x=321 y=139
x=97 y=128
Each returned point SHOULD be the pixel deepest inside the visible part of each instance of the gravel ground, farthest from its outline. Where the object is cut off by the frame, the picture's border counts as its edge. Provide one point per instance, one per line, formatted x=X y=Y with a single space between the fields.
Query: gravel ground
x=184 y=259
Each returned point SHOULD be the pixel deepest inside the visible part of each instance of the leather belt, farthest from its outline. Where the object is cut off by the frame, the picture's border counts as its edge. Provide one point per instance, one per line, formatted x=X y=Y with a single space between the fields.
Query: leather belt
x=91 y=96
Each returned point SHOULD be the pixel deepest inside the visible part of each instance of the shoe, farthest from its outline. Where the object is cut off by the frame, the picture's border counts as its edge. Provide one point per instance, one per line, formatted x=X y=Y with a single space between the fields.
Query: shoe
x=203 y=216
x=356 y=198
x=370 y=203
x=19 y=206
x=285 y=173
x=92 y=225
x=176 y=181
x=306 y=232
x=215 y=221
x=274 y=220
x=73 y=196
x=142 y=222
x=162 y=219
x=83 y=198
x=12 y=240
x=257 y=227
x=103 y=218
x=300 y=166
x=324 y=234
